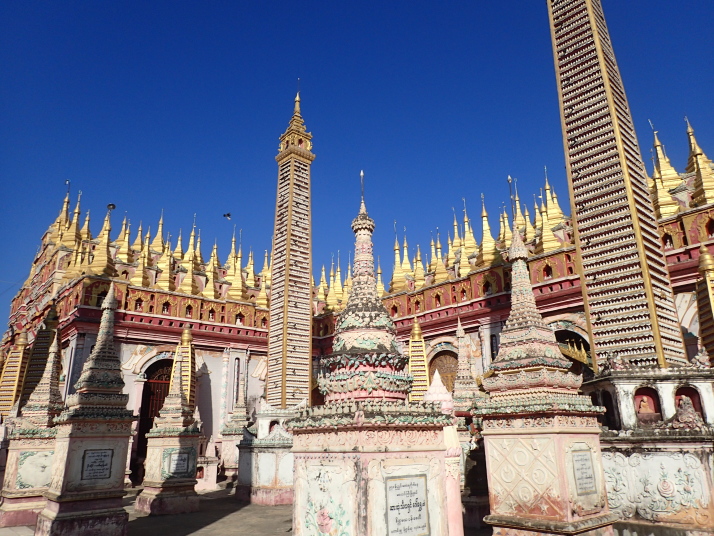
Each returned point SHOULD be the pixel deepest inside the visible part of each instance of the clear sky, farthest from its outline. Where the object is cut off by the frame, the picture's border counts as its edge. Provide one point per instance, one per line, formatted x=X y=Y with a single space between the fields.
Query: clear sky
x=179 y=105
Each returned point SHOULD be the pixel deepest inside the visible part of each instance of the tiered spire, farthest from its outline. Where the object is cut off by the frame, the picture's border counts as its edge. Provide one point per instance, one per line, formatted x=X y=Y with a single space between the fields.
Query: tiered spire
x=99 y=388
x=419 y=273
x=664 y=179
x=366 y=334
x=13 y=373
x=487 y=253
x=398 y=281
x=45 y=403
x=703 y=167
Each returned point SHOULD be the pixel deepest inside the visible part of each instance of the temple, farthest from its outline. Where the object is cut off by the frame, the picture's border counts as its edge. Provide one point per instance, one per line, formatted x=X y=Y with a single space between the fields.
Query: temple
x=598 y=324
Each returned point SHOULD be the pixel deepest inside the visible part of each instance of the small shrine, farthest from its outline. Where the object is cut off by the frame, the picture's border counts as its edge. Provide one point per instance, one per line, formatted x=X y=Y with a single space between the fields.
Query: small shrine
x=32 y=442
x=545 y=473
x=368 y=461
x=87 y=481
x=172 y=452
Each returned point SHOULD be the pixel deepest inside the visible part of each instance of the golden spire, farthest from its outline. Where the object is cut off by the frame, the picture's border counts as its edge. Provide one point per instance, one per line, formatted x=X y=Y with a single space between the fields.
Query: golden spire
x=548 y=242
x=506 y=229
x=451 y=254
x=664 y=178
x=417 y=363
x=440 y=273
x=103 y=263
x=199 y=255
x=398 y=282
x=555 y=214
x=158 y=244
x=703 y=167
x=140 y=278
x=469 y=242
x=123 y=253
x=178 y=252
x=380 y=286
x=432 y=264
x=519 y=219
x=339 y=291
x=332 y=301
x=62 y=221
x=419 y=276
x=529 y=229
x=191 y=251
x=85 y=234
x=457 y=239
x=188 y=284
x=406 y=265
x=213 y=274
x=71 y=237
x=321 y=288
x=348 y=282
x=165 y=277
x=139 y=240
x=487 y=253
x=265 y=273
x=250 y=271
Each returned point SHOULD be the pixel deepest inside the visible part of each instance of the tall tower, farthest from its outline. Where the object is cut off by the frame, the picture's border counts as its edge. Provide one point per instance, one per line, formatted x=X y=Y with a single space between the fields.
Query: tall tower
x=626 y=289
x=290 y=331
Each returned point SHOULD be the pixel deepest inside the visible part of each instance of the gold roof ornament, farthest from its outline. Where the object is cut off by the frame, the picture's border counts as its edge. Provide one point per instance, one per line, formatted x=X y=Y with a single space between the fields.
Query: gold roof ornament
x=140 y=277
x=548 y=242
x=440 y=272
x=123 y=252
x=530 y=231
x=487 y=253
x=332 y=300
x=398 y=282
x=506 y=229
x=262 y=299
x=165 y=278
x=62 y=221
x=432 y=263
x=321 y=287
x=519 y=218
x=380 y=286
x=139 y=240
x=103 y=262
x=178 y=252
x=339 y=291
x=85 y=233
x=555 y=214
x=451 y=254
x=199 y=255
x=406 y=265
x=419 y=274
x=664 y=178
x=250 y=271
x=71 y=237
x=158 y=244
x=703 y=167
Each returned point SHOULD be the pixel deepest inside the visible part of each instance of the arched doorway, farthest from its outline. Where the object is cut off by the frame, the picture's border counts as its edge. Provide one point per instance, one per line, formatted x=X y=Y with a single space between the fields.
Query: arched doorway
x=156 y=387
x=447 y=364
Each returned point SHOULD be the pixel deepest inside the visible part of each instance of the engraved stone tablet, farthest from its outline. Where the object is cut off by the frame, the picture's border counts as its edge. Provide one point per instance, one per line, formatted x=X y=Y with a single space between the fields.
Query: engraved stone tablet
x=407 y=513
x=584 y=473
x=178 y=463
x=97 y=464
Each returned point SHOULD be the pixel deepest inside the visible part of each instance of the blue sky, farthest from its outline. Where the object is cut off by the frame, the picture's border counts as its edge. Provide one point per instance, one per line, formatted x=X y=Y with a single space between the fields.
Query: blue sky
x=178 y=105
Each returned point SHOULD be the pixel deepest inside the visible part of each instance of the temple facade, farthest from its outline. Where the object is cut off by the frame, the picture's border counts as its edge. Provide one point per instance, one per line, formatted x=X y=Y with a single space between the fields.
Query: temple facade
x=625 y=283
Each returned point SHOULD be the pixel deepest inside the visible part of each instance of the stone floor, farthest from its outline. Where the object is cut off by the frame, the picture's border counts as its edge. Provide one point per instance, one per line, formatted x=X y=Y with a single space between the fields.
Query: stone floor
x=220 y=514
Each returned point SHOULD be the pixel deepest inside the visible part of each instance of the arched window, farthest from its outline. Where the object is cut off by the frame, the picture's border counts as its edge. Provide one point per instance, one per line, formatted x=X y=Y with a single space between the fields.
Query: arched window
x=463 y=295
x=667 y=241
x=710 y=228
x=547 y=272
x=263 y=323
x=189 y=311
x=692 y=394
x=100 y=298
x=487 y=291
x=647 y=406
x=437 y=300
x=417 y=306
x=240 y=317
x=211 y=315
x=139 y=305
x=395 y=310
x=166 y=308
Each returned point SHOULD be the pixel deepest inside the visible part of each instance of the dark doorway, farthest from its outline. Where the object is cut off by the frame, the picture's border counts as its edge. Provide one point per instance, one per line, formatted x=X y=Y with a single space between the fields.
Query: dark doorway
x=447 y=364
x=156 y=387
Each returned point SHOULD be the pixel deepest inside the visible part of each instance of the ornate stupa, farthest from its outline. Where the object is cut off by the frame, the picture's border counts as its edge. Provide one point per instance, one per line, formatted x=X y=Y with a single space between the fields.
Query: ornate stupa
x=541 y=437
x=368 y=450
x=366 y=362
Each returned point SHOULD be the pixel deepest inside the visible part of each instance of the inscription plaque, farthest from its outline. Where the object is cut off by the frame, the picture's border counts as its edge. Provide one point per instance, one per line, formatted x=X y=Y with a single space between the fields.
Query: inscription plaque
x=407 y=513
x=178 y=463
x=584 y=472
x=97 y=464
